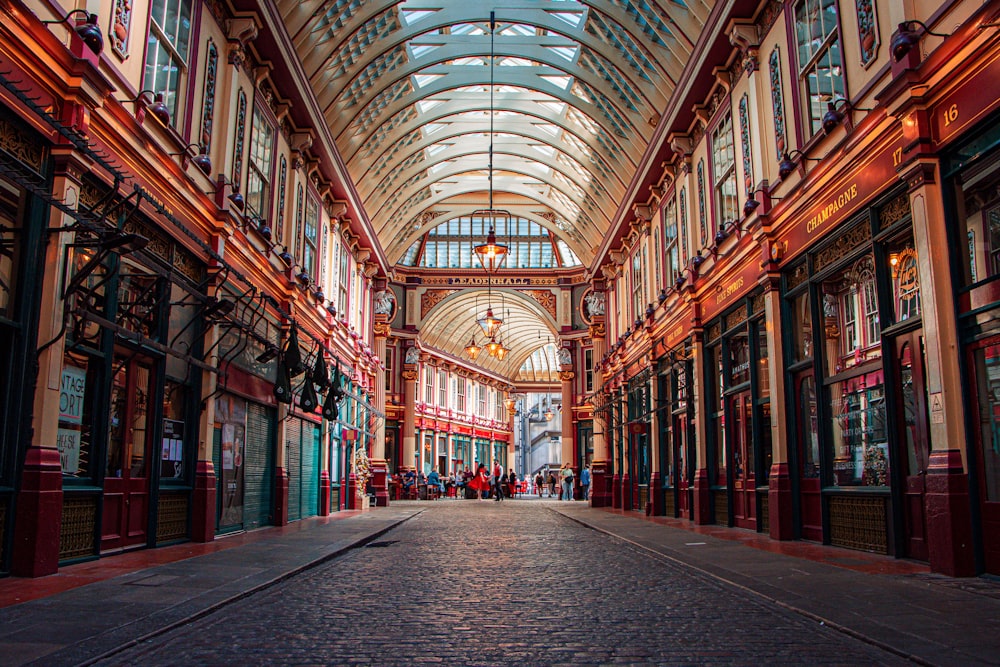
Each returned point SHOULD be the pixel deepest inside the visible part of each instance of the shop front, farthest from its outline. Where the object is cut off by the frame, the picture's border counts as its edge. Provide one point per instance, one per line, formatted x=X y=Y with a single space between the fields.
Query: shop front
x=972 y=191
x=854 y=366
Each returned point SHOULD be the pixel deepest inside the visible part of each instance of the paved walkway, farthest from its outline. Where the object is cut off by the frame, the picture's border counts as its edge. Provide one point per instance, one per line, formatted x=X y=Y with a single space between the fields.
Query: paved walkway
x=668 y=594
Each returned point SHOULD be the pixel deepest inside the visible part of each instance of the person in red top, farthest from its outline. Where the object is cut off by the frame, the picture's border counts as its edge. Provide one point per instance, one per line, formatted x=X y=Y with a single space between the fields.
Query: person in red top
x=481 y=481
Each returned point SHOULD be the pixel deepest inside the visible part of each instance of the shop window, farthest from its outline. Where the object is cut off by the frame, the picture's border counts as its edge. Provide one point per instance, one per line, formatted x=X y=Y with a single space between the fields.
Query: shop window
x=987 y=364
x=860 y=450
x=138 y=300
x=716 y=386
x=174 y=425
x=800 y=331
x=259 y=165
x=905 y=281
x=724 y=172
x=821 y=72
x=167 y=51
x=75 y=437
x=10 y=225
x=850 y=316
x=808 y=427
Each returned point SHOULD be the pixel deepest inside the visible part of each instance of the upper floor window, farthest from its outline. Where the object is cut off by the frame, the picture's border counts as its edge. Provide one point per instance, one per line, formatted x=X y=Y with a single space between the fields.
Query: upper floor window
x=443 y=388
x=343 y=281
x=167 y=50
x=821 y=70
x=724 y=172
x=588 y=370
x=428 y=385
x=389 y=353
x=481 y=398
x=460 y=395
x=310 y=237
x=671 y=244
x=258 y=199
x=638 y=271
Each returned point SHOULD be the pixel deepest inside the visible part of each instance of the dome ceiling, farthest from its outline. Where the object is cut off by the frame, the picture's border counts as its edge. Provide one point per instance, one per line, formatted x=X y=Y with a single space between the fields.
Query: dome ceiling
x=576 y=87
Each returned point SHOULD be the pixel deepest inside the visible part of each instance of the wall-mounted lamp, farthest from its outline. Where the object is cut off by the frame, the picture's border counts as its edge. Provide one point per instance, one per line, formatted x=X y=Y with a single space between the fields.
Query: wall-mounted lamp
x=157 y=107
x=662 y=296
x=234 y=197
x=789 y=161
x=834 y=116
x=217 y=309
x=88 y=31
x=752 y=203
x=303 y=277
x=907 y=37
x=200 y=160
x=697 y=261
x=269 y=353
x=286 y=256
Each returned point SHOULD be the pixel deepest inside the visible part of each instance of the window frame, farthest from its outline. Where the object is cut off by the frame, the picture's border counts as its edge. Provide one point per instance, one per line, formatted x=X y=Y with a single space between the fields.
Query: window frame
x=174 y=97
x=722 y=174
x=832 y=42
x=260 y=119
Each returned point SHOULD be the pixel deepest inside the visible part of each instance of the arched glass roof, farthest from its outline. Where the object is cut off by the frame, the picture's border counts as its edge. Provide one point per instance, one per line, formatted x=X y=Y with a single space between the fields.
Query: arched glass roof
x=529 y=245
x=540 y=366
x=568 y=102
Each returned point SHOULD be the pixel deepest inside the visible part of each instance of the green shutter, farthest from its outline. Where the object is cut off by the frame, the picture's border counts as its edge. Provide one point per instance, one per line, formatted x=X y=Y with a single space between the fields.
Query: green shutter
x=259 y=462
x=293 y=444
x=310 y=469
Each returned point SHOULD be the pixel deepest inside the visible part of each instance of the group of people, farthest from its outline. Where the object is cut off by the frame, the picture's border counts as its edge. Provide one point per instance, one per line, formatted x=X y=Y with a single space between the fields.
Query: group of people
x=495 y=483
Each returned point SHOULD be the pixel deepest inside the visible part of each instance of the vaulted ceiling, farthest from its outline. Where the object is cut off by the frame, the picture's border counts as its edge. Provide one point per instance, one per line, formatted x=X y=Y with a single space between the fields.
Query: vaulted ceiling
x=568 y=106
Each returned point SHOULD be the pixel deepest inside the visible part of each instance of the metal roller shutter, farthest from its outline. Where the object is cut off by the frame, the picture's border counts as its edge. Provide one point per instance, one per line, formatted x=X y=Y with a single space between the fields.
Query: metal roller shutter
x=293 y=444
x=310 y=469
x=259 y=473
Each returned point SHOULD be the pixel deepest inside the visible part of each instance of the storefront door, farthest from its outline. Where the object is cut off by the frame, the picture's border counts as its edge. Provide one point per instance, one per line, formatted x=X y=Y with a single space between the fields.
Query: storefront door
x=914 y=439
x=986 y=367
x=125 y=511
x=682 y=483
x=810 y=488
x=744 y=483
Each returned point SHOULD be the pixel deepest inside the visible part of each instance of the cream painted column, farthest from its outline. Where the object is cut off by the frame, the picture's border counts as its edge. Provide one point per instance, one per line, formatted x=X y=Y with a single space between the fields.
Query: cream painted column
x=410 y=375
x=947 y=502
x=779 y=494
x=38 y=517
x=380 y=467
x=600 y=482
x=701 y=512
x=566 y=376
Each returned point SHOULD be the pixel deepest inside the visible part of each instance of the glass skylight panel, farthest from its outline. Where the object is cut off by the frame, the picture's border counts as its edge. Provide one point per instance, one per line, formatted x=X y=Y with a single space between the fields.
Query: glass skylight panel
x=561 y=82
x=582 y=120
x=431 y=128
x=436 y=148
x=545 y=149
x=474 y=61
x=518 y=29
x=566 y=256
x=565 y=52
x=572 y=18
x=466 y=29
x=548 y=128
x=423 y=106
x=517 y=62
x=411 y=16
x=424 y=79
x=557 y=108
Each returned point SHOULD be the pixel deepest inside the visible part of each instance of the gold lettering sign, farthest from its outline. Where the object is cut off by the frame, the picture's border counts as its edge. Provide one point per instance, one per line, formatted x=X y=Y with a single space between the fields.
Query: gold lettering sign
x=729 y=290
x=483 y=282
x=825 y=213
x=675 y=334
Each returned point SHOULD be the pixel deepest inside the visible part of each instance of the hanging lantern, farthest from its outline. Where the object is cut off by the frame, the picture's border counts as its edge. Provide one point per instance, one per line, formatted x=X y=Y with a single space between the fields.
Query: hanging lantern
x=489 y=323
x=473 y=350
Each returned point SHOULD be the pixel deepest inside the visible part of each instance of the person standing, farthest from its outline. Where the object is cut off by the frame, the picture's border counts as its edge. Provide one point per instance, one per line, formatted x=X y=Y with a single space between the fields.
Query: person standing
x=480 y=482
x=552 y=484
x=585 y=484
x=512 y=484
x=567 y=482
x=498 y=481
x=539 y=483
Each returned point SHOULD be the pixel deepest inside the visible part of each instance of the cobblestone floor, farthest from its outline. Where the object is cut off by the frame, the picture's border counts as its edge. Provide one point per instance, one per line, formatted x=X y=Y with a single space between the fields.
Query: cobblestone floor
x=512 y=583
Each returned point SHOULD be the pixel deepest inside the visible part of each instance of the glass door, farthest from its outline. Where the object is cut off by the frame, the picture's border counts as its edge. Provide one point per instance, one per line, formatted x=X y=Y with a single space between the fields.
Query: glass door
x=125 y=510
x=744 y=478
x=810 y=487
x=914 y=440
x=986 y=385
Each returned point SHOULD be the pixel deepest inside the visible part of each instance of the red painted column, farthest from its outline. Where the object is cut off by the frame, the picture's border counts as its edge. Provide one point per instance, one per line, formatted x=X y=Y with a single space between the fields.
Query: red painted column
x=280 y=497
x=203 y=503
x=352 y=492
x=599 y=494
x=380 y=476
x=948 y=514
x=324 y=493
x=779 y=503
x=656 y=506
x=38 y=519
x=702 y=510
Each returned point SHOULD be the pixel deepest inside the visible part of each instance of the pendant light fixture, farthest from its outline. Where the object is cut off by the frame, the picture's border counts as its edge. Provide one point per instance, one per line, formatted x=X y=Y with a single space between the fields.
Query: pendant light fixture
x=491 y=254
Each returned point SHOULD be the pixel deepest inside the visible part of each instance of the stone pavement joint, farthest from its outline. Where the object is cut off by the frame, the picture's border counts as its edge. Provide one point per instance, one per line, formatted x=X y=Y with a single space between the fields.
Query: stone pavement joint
x=695 y=569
